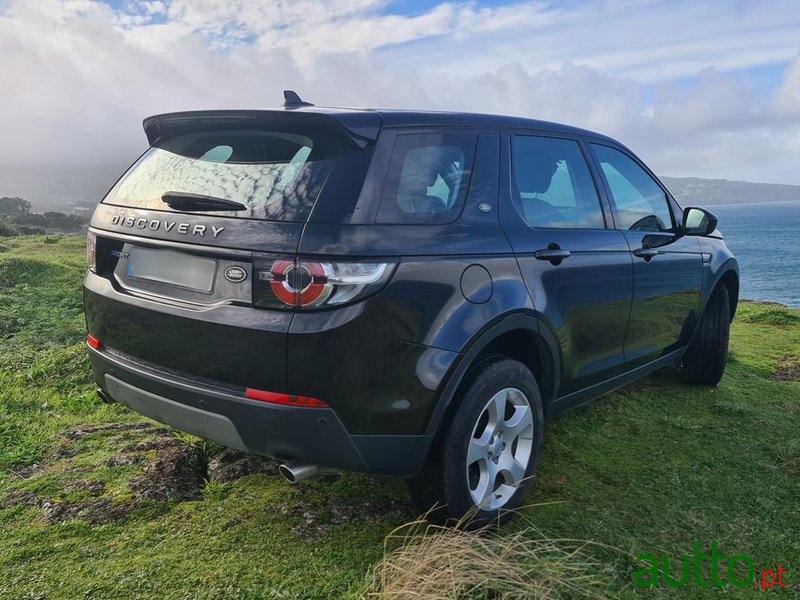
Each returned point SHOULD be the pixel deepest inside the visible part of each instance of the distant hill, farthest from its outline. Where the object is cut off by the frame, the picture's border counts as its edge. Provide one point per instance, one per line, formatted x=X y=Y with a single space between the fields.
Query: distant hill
x=76 y=190
x=72 y=190
x=694 y=190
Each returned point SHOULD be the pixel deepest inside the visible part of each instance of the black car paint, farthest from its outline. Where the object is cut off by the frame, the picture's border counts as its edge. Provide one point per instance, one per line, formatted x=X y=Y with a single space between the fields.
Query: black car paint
x=390 y=365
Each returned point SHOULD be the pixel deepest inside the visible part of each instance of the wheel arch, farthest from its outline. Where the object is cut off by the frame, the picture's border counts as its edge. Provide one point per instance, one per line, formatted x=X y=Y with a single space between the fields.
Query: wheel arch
x=727 y=275
x=522 y=336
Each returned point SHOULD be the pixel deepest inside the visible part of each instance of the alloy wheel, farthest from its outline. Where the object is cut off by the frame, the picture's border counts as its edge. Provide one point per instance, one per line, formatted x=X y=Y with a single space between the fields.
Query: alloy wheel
x=499 y=449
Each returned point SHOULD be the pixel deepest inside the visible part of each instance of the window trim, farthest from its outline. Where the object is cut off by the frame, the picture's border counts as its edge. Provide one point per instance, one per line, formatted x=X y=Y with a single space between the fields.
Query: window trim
x=608 y=223
x=590 y=141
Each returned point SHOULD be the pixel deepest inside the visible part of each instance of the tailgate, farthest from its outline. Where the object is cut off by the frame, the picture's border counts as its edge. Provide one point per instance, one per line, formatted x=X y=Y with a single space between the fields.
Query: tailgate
x=214 y=335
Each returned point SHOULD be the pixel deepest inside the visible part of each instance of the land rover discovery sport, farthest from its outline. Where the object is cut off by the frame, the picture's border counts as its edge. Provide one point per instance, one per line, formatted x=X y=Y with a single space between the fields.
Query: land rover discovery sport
x=411 y=294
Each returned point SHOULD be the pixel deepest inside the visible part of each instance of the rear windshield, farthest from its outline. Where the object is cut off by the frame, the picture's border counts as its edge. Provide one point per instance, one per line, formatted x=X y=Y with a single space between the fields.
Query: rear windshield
x=276 y=175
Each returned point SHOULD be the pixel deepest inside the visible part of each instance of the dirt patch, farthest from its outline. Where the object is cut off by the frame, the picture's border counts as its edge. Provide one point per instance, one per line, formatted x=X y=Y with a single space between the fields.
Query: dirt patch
x=158 y=444
x=25 y=471
x=316 y=521
x=93 y=488
x=230 y=465
x=123 y=460
x=75 y=434
x=65 y=452
x=788 y=370
x=20 y=498
x=95 y=512
x=364 y=509
x=177 y=473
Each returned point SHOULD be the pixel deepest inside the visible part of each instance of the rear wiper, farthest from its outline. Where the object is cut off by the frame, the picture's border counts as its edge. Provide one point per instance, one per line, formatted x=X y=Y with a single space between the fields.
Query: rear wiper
x=187 y=201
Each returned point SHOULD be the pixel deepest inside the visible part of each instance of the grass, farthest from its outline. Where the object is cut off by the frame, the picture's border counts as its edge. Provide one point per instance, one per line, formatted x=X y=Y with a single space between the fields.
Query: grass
x=439 y=563
x=649 y=469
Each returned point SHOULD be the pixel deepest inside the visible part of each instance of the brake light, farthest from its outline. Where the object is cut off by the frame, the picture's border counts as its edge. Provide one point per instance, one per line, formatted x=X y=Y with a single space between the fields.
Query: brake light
x=307 y=284
x=289 y=279
x=284 y=399
x=93 y=342
x=91 y=251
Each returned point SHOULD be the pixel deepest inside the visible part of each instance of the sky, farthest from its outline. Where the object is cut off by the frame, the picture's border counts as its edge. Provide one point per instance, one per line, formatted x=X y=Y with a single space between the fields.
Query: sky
x=696 y=88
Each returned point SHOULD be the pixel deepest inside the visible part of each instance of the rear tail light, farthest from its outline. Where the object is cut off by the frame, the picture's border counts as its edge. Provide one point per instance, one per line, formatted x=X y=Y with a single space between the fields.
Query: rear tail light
x=91 y=251
x=93 y=342
x=307 y=284
x=284 y=399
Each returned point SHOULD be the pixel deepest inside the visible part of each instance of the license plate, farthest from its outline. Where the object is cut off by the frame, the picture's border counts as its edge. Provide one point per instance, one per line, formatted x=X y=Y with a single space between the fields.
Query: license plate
x=172 y=268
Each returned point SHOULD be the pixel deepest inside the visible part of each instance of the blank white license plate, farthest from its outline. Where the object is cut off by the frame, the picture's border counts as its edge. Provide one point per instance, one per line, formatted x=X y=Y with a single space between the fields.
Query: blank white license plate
x=173 y=268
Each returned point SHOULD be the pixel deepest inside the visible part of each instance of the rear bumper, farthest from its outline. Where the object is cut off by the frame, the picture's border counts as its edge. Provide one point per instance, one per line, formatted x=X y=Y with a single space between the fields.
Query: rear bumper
x=224 y=415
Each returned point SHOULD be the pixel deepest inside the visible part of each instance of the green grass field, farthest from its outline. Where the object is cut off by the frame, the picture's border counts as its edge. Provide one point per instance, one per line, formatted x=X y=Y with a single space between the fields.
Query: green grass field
x=649 y=469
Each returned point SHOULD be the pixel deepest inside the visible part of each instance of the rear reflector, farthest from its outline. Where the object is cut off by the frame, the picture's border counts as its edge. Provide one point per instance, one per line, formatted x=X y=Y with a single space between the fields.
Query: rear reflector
x=284 y=399
x=93 y=342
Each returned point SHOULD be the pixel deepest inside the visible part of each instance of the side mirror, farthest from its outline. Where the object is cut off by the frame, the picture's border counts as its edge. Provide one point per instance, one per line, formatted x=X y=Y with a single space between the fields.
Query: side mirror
x=698 y=221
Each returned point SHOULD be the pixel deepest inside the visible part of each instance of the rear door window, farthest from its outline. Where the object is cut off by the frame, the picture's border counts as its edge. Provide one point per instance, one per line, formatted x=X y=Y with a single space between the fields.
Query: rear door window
x=277 y=175
x=553 y=187
x=428 y=177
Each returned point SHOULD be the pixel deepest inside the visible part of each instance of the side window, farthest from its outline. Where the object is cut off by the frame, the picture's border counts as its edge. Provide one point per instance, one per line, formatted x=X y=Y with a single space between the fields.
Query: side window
x=428 y=178
x=640 y=201
x=552 y=184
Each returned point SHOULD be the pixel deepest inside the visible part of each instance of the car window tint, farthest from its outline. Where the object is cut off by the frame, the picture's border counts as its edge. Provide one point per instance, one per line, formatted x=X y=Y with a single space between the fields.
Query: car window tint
x=641 y=203
x=552 y=184
x=428 y=177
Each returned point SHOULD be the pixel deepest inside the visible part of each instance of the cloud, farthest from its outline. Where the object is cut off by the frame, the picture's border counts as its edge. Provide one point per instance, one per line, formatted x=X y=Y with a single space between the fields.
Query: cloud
x=670 y=79
x=787 y=97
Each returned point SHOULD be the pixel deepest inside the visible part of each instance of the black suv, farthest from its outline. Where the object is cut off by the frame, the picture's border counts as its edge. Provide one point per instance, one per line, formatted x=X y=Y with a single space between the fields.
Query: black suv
x=411 y=294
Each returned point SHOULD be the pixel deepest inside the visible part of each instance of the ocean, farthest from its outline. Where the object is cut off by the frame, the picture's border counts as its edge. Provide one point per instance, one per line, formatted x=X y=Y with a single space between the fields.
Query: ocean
x=765 y=237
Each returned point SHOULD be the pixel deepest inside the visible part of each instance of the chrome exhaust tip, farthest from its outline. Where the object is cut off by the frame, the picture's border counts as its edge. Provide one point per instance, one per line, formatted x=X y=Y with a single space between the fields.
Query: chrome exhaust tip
x=297 y=472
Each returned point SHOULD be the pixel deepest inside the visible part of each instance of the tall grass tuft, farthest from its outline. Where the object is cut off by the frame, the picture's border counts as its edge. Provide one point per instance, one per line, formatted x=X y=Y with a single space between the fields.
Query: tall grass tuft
x=442 y=563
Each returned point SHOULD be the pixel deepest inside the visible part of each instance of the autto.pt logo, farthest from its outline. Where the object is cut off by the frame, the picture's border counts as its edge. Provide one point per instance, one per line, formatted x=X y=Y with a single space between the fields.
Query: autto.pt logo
x=711 y=570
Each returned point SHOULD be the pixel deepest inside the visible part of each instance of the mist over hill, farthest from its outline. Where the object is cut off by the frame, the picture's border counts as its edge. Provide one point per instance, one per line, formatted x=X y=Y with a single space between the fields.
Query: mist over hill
x=75 y=190
x=72 y=190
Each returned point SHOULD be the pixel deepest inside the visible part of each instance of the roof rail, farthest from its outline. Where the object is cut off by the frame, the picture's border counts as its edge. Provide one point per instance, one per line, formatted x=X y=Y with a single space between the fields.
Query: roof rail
x=292 y=100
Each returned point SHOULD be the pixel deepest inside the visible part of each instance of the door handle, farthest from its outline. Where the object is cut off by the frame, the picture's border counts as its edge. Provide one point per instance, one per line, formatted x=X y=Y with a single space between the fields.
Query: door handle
x=645 y=253
x=552 y=253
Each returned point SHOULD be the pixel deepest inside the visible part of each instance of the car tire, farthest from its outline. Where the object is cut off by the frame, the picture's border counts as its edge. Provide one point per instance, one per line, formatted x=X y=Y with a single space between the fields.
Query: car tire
x=478 y=454
x=704 y=361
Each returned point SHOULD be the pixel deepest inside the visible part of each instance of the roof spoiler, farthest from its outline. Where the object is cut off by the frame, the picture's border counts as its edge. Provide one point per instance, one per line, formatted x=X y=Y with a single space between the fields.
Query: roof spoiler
x=360 y=126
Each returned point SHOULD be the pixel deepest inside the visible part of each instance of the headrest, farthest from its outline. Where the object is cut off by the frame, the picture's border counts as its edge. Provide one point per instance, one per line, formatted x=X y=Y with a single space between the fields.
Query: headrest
x=534 y=176
x=420 y=170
